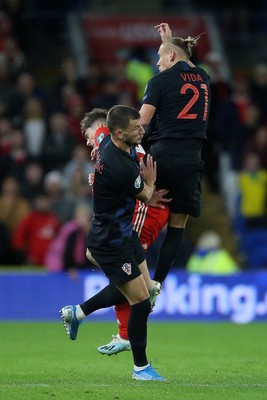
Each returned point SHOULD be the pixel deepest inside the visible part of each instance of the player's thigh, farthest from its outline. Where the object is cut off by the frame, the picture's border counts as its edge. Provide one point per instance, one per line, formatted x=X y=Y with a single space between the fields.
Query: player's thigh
x=91 y=258
x=138 y=250
x=134 y=290
x=177 y=220
x=120 y=264
x=185 y=181
x=178 y=163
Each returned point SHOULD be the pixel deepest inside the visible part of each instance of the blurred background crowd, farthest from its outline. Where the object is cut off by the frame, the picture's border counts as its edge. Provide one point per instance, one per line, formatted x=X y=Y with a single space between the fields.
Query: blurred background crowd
x=49 y=79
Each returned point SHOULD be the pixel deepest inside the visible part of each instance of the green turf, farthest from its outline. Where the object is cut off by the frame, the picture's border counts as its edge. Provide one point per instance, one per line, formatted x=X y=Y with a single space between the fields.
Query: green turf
x=201 y=361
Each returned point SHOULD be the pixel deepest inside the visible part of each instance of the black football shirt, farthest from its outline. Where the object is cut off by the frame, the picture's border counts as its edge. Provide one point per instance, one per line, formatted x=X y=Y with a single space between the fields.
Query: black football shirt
x=117 y=180
x=182 y=97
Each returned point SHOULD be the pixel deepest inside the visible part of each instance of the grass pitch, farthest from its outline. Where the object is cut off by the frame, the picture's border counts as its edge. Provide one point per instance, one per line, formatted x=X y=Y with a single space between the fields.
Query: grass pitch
x=202 y=361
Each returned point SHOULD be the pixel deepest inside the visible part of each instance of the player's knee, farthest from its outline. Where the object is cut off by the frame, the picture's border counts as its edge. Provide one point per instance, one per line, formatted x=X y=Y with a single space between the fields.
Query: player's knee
x=138 y=296
x=144 y=307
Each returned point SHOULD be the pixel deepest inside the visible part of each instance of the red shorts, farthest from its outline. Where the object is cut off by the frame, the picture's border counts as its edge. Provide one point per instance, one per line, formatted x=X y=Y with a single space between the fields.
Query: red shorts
x=148 y=222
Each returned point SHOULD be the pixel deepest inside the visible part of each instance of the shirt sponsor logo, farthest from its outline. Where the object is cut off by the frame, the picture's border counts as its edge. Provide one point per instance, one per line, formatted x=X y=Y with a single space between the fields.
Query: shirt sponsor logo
x=100 y=137
x=137 y=182
x=127 y=267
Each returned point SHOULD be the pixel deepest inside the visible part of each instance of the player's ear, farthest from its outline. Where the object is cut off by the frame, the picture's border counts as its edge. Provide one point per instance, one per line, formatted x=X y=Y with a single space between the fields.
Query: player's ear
x=118 y=133
x=172 y=55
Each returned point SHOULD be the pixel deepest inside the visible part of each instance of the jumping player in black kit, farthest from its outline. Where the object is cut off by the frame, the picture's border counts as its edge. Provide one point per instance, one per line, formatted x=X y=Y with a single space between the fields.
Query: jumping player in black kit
x=179 y=97
x=112 y=243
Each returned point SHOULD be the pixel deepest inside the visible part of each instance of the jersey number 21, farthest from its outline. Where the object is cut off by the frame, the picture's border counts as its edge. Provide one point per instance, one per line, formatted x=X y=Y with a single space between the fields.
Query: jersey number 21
x=184 y=113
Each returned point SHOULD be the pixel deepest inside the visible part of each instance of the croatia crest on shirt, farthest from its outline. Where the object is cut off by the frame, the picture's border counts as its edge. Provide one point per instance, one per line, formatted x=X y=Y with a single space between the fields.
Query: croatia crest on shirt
x=127 y=268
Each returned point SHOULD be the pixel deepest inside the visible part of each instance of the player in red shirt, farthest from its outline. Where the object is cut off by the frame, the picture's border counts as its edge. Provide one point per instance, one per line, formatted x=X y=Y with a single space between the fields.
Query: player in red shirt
x=148 y=221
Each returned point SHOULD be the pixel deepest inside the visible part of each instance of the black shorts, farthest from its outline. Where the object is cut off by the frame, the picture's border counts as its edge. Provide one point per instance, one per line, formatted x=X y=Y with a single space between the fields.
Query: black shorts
x=119 y=264
x=180 y=169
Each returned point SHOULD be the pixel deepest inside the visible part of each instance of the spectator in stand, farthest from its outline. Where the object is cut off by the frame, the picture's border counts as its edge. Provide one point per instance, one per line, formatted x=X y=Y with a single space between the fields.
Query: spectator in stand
x=32 y=182
x=258 y=144
x=69 y=75
x=14 y=58
x=5 y=145
x=236 y=20
x=13 y=207
x=252 y=182
x=209 y=257
x=92 y=82
x=232 y=110
x=243 y=135
x=24 y=89
x=225 y=113
x=34 y=126
x=36 y=231
x=80 y=160
x=59 y=144
x=214 y=64
x=16 y=10
x=75 y=109
x=67 y=251
x=241 y=96
x=55 y=187
x=109 y=93
x=5 y=29
x=7 y=90
x=17 y=158
x=78 y=188
x=139 y=69
x=7 y=255
x=127 y=88
x=259 y=89
x=217 y=137
x=5 y=136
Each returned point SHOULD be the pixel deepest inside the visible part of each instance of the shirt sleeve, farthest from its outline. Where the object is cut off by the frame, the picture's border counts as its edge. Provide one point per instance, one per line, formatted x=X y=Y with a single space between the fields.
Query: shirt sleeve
x=152 y=92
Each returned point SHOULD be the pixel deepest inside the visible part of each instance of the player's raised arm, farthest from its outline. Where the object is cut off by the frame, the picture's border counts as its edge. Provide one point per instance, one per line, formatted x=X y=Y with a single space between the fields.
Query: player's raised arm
x=164 y=31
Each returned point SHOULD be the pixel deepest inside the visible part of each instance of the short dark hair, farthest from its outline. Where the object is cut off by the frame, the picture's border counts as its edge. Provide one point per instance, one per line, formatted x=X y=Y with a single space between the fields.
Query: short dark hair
x=119 y=117
x=92 y=116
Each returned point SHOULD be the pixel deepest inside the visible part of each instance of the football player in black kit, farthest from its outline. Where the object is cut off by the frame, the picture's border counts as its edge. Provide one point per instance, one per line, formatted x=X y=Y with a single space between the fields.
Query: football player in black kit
x=112 y=243
x=178 y=97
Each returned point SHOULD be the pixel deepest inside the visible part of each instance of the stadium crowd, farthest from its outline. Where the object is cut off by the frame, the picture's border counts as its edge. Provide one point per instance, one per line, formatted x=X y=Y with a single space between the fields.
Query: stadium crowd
x=44 y=163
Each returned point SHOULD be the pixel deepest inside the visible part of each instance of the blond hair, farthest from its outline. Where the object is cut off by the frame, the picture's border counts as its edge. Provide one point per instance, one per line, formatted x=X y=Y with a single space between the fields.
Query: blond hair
x=185 y=45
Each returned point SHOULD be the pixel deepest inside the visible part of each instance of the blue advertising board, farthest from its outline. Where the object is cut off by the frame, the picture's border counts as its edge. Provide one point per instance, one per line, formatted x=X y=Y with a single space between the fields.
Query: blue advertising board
x=240 y=298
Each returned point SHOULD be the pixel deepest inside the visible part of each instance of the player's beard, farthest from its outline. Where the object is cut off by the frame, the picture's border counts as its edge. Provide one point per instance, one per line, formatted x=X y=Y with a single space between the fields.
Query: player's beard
x=133 y=141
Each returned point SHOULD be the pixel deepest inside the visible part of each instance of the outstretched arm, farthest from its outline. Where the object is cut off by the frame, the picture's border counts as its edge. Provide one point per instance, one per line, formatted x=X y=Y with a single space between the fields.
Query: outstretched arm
x=164 y=31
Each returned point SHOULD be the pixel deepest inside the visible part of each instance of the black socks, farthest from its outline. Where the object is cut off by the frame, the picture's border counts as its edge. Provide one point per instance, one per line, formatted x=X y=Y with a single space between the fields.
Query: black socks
x=107 y=297
x=137 y=331
x=168 y=252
